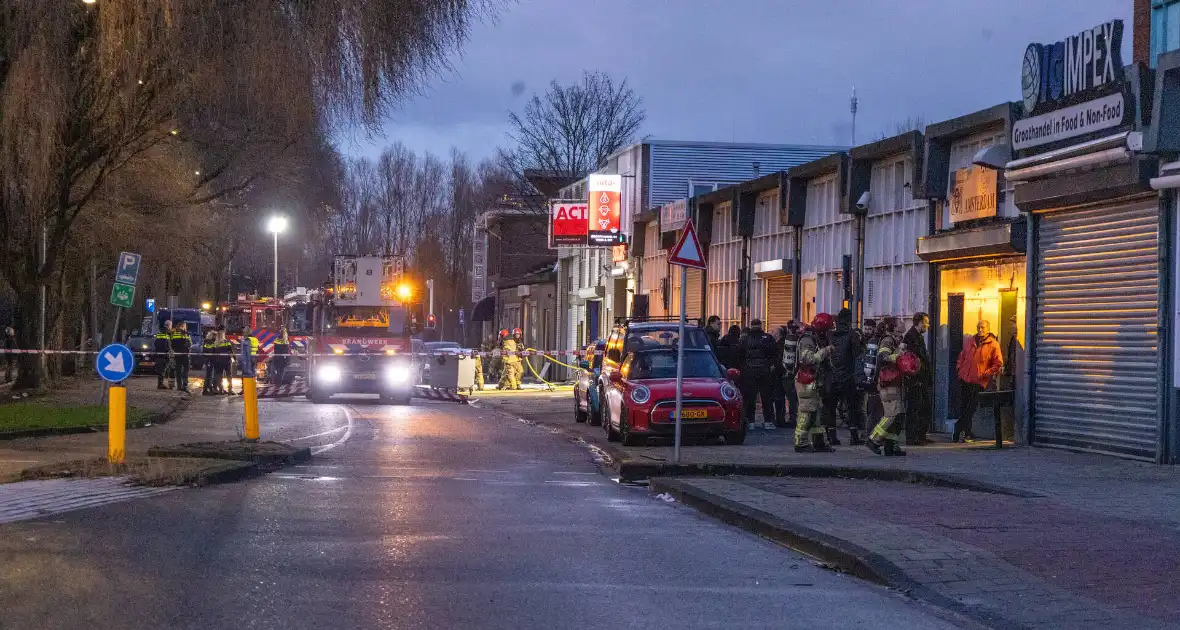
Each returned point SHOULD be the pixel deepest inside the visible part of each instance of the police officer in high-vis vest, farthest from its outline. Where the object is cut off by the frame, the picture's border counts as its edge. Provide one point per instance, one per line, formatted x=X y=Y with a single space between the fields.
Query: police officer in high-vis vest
x=162 y=345
x=181 y=344
x=208 y=352
x=279 y=358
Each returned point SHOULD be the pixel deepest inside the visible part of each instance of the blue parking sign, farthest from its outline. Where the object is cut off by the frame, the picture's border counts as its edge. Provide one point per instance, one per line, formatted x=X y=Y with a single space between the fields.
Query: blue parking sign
x=150 y=305
x=127 y=269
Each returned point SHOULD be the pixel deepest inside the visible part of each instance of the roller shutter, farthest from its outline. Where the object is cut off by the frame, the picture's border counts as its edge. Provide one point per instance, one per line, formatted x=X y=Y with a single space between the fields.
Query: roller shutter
x=1097 y=353
x=779 y=302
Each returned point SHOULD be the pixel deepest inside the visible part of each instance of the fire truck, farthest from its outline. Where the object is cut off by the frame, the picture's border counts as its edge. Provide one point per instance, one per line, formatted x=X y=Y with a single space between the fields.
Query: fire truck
x=264 y=318
x=362 y=331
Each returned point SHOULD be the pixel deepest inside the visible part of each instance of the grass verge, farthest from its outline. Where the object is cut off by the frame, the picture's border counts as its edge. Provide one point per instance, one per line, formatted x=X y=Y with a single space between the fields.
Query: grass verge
x=146 y=471
x=21 y=416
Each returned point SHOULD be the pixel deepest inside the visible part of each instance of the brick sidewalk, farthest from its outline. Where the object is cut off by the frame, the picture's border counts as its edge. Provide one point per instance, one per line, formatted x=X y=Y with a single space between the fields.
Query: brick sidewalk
x=1007 y=561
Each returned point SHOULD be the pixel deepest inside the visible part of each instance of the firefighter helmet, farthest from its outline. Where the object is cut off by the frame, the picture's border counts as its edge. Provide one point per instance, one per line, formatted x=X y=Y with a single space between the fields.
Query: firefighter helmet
x=516 y=332
x=822 y=323
x=503 y=333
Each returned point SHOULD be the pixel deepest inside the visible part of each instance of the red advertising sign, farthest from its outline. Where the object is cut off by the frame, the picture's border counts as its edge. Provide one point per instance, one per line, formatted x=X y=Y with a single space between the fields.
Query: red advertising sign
x=606 y=221
x=567 y=223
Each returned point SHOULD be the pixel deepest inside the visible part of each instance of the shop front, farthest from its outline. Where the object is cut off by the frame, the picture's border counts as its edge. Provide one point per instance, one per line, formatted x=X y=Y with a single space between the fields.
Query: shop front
x=976 y=250
x=1080 y=173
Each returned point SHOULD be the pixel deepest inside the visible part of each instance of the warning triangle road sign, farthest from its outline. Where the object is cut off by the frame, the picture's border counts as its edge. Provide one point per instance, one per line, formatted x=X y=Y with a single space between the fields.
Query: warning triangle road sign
x=687 y=252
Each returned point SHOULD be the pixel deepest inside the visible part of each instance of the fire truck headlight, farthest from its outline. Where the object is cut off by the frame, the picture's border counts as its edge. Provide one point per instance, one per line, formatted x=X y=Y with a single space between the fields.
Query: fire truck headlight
x=330 y=373
x=398 y=374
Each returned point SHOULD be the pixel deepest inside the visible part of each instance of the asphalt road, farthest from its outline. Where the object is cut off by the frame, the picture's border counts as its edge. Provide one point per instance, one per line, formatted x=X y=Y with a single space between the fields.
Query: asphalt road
x=429 y=516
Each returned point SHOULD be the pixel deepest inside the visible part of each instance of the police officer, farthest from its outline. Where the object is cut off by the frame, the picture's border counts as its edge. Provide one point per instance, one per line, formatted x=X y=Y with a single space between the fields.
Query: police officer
x=181 y=344
x=890 y=384
x=757 y=356
x=280 y=358
x=163 y=348
x=810 y=372
x=208 y=353
x=789 y=354
x=224 y=350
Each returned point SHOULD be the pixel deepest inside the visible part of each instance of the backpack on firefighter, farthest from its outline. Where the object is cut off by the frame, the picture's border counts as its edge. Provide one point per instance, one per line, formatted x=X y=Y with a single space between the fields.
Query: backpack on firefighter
x=867 y=367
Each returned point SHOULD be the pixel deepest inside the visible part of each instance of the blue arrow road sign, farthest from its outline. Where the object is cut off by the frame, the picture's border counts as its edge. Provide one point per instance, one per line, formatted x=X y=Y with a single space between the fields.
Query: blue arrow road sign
x=127 y=269
x=150 y=305
x=115 y=362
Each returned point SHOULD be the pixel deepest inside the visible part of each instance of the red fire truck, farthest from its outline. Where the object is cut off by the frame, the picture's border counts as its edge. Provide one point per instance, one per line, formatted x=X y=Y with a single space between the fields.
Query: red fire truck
x=263 y=318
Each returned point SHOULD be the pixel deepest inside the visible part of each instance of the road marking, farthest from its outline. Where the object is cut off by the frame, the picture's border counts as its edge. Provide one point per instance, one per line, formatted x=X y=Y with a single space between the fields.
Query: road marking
x=567 y=472
x=478 y=470
x=344 y=438
x=307 y=437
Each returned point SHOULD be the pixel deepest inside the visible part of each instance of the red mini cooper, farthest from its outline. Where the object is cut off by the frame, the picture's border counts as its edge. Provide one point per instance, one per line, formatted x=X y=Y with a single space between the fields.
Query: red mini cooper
x=640 y=396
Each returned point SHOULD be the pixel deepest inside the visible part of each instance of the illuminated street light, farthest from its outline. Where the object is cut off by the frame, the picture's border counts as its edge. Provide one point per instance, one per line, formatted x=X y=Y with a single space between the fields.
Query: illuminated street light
x=404 y=292
x=276 y=224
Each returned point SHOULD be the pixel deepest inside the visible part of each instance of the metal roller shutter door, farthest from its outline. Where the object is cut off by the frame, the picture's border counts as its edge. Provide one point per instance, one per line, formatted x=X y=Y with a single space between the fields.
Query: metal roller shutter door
x=779 y=302
x=1097 y=372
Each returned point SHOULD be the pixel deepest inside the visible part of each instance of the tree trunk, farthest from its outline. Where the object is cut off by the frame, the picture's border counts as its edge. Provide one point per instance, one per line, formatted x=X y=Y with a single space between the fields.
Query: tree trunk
x=25 y=323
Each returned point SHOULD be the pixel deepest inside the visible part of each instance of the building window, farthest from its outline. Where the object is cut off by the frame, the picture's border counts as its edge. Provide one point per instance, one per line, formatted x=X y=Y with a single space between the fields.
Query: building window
x=1165 y=27
x=696 y=189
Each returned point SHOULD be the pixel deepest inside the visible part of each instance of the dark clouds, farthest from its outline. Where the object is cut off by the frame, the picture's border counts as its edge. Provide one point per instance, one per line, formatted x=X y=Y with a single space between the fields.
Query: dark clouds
x=744 y=70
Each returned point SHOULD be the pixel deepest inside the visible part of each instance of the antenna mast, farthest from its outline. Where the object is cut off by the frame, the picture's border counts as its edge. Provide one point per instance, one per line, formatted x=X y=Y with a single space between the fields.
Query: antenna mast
x=852 y=108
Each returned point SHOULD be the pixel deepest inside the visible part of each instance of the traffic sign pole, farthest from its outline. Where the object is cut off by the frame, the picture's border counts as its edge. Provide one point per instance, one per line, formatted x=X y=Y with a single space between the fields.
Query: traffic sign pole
x=680 y=363
x=117 y=425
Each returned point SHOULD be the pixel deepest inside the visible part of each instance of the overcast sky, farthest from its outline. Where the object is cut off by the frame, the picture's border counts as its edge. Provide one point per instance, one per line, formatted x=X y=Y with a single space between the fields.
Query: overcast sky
x=778 y=71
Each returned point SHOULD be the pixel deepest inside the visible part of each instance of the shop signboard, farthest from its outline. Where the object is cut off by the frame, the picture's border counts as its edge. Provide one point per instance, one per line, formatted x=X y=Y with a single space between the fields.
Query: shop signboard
x=605 y=205
x=1072 y=88
x=618 y=253
x=479 y=254
x=567 y=223
x=975 y=194
x=673 y=215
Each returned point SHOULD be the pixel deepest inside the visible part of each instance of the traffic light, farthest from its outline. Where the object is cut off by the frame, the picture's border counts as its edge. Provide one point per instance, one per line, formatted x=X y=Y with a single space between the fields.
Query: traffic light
x=431 y=322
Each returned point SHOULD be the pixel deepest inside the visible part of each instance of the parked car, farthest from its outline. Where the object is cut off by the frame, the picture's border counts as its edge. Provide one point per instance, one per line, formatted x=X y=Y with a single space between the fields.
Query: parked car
x=638 y=399
x=586 y=386
x=142 y=347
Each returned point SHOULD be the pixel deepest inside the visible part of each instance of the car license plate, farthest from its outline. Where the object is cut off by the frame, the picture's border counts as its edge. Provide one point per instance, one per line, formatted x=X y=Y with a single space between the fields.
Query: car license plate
x=146 y=363
x=366 y=377
x=689 y=414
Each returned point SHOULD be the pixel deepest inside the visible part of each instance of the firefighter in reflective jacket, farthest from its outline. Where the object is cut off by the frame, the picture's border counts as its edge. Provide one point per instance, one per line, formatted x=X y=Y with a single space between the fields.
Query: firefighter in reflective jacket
x=510 y=375
x=814 y=349
x=890 y=384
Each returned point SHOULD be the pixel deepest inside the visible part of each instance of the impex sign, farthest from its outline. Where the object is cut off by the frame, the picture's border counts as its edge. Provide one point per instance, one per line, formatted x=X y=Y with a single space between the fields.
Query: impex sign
x=568 y=223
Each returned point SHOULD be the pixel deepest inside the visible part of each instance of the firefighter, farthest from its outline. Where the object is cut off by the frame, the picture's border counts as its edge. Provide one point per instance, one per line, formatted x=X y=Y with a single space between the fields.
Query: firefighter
x=510 y=361
x=208 y=352
x=518 y=335
x=890 y=388
x=279 y=358
x=477 y=355
x=180 y=344
x=810 y=373
x=163 y=350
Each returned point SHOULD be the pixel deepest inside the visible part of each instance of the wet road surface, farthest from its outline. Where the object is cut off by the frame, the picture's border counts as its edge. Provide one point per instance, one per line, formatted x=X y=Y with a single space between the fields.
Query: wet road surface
x=428 y=516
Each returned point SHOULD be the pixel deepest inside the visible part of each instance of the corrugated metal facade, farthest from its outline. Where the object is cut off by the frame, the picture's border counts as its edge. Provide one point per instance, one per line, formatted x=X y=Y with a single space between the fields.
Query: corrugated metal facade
x=827 y=237
x=675 y=164
x=896 y=281
x=771 y=241
x=655 y=270
x=725 y=257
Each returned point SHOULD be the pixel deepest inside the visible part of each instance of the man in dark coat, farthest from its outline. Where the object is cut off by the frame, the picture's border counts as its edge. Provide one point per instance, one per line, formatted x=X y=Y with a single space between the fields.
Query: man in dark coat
x=727 y=348
x=757 y=358
x=846 y=346
x=713 y=331
x=920 y=385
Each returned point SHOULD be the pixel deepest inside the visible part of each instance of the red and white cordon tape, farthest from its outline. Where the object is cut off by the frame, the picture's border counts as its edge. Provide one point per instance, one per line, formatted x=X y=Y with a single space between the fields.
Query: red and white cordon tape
x=448 y=395
x=266 y=357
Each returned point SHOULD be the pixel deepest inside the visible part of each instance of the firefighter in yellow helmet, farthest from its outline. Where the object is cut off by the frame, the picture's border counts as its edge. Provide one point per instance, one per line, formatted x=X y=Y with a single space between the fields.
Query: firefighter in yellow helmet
x=510 y=374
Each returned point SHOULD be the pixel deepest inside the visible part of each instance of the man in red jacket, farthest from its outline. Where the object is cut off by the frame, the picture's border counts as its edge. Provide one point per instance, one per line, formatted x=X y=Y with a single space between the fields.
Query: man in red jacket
x=979 y=362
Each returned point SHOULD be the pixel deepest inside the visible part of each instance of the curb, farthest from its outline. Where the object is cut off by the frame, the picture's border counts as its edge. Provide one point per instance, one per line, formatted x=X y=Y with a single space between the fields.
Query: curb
x=239 y=472
x=848 y=557
x=160 y=417
x=266 y=460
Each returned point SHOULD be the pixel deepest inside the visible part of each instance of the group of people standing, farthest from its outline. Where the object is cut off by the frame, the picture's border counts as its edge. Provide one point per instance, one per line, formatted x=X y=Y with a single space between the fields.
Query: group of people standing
x=816 y=375
x=172 y=347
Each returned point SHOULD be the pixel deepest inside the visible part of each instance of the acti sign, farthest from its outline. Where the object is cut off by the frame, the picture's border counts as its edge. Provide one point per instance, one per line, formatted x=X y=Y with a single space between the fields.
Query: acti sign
x=605 y=208
x=568 y=222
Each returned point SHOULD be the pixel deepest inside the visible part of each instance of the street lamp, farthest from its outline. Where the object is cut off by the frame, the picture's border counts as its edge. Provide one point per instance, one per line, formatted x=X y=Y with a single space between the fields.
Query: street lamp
x=276 y=224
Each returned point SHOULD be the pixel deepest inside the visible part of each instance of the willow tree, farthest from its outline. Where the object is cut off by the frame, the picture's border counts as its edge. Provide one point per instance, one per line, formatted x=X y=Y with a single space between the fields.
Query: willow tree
x=90 y=91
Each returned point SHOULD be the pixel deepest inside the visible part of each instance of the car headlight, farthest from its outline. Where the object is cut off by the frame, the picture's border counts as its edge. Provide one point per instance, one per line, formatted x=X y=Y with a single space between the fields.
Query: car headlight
x=728 y=392
x=640 y=394
x=398 y=374
x=330 y=373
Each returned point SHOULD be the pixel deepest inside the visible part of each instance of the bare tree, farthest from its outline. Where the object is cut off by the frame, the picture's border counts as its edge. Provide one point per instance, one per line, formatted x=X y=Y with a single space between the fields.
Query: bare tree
x=91 y=91
x=571 y=129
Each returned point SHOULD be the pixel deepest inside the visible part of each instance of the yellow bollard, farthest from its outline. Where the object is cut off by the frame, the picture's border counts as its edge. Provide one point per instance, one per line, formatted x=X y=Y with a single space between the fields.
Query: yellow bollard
x=250 y=398
x=117 y=429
